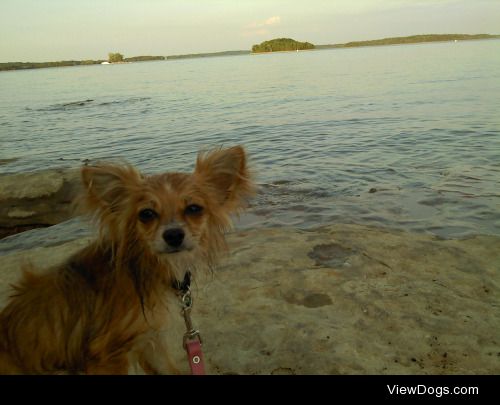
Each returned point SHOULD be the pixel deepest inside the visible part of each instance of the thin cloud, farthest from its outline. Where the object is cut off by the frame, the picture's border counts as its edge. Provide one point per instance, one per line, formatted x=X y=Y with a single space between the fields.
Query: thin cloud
x=273 y=20
x=270 y=21
x=261 y=28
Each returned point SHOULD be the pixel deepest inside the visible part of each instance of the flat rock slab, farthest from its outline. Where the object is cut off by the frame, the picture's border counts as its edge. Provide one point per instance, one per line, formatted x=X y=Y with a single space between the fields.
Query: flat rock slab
x=37 y=199
x=342 y=299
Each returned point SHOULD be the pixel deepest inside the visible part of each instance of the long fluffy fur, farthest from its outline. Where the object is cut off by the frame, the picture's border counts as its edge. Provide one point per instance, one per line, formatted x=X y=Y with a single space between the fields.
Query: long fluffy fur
x=90 y=314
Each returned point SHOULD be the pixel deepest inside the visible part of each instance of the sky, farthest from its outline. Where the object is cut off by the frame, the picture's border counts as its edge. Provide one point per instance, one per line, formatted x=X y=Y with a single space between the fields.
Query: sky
x=52 y=30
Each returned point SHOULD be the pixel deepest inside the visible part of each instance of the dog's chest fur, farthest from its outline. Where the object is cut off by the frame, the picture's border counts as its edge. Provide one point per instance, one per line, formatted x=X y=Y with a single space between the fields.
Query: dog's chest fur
x=163 y=342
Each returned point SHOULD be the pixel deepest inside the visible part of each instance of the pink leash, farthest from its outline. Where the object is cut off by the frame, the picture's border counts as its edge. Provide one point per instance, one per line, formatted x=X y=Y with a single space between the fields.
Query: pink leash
x=195 y=357
x=192 y=338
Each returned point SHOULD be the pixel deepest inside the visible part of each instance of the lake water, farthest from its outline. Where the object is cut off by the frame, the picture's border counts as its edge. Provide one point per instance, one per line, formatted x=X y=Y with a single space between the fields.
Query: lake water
x=400 y=136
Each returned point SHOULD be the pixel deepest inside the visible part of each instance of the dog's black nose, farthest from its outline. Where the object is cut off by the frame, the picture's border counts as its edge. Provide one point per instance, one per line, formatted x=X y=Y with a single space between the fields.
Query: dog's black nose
x=174 y=237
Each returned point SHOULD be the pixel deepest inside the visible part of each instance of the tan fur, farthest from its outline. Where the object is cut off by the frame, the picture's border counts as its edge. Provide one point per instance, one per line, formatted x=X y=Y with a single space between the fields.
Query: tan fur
x=111 y=302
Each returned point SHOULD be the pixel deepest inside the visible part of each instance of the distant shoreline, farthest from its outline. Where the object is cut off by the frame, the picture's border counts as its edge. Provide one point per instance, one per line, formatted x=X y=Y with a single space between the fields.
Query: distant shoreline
x=409 y=40
x=67 y=63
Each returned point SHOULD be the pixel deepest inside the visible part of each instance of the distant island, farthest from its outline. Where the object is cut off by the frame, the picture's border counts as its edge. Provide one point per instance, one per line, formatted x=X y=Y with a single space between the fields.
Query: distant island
x=113 y=58
x=206 y=55
x=281 y=45
x=143 y=58
x=39 y=65
x=274 y=45
x=413 y=39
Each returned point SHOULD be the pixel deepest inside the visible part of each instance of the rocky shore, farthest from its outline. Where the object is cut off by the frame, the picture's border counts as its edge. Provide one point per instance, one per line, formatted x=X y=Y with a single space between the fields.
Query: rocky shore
x=340 y=299
x=38 y=199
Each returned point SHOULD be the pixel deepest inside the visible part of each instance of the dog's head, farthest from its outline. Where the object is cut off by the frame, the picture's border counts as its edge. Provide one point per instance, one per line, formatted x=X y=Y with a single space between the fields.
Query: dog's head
x=176 y=218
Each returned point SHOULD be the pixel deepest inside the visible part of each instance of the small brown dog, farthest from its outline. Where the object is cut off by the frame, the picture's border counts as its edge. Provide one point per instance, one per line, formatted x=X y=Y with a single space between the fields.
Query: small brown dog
x=112 y=303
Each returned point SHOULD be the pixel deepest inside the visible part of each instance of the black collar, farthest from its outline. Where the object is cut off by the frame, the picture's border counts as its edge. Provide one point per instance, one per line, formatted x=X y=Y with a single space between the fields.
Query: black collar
x=183 y=286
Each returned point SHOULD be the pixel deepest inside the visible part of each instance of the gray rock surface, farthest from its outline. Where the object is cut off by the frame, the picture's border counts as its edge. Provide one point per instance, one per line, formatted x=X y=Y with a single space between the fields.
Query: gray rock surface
x=37 y=199
x=342 y=299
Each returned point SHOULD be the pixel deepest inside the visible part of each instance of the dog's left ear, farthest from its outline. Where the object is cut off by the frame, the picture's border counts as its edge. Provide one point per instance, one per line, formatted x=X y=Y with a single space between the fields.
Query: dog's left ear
x=226 y=174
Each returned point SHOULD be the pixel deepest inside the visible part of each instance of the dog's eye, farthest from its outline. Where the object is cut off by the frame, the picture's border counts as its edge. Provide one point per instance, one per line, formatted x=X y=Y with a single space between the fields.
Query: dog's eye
x=193 y=209
x=147 y=215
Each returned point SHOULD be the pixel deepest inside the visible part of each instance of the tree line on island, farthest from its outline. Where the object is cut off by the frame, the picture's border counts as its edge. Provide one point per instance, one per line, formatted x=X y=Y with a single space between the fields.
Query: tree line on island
x=113 y=57
x=119 y=58
x=274 y=45
x=281 y=45
x=413 y=39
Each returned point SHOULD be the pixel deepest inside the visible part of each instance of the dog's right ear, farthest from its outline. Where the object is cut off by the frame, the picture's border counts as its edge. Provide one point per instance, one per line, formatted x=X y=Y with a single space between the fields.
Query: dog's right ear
x=107 y=187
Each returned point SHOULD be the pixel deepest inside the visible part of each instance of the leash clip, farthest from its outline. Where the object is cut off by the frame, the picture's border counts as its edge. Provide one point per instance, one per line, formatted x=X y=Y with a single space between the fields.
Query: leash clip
x=192 y=333
x=187 y=300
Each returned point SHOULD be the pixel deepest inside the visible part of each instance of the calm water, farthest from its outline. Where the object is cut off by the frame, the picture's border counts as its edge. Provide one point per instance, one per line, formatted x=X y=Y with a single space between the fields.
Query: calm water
x=420 y=124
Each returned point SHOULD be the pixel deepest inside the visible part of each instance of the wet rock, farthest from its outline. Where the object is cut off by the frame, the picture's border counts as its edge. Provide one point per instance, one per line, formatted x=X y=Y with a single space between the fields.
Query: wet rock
x=330 y=255
x=309 y=300
x=31 y=200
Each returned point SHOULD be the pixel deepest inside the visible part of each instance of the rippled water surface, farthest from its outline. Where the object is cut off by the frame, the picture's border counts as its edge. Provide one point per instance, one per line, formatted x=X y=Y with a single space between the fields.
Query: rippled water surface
x=400 y=136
